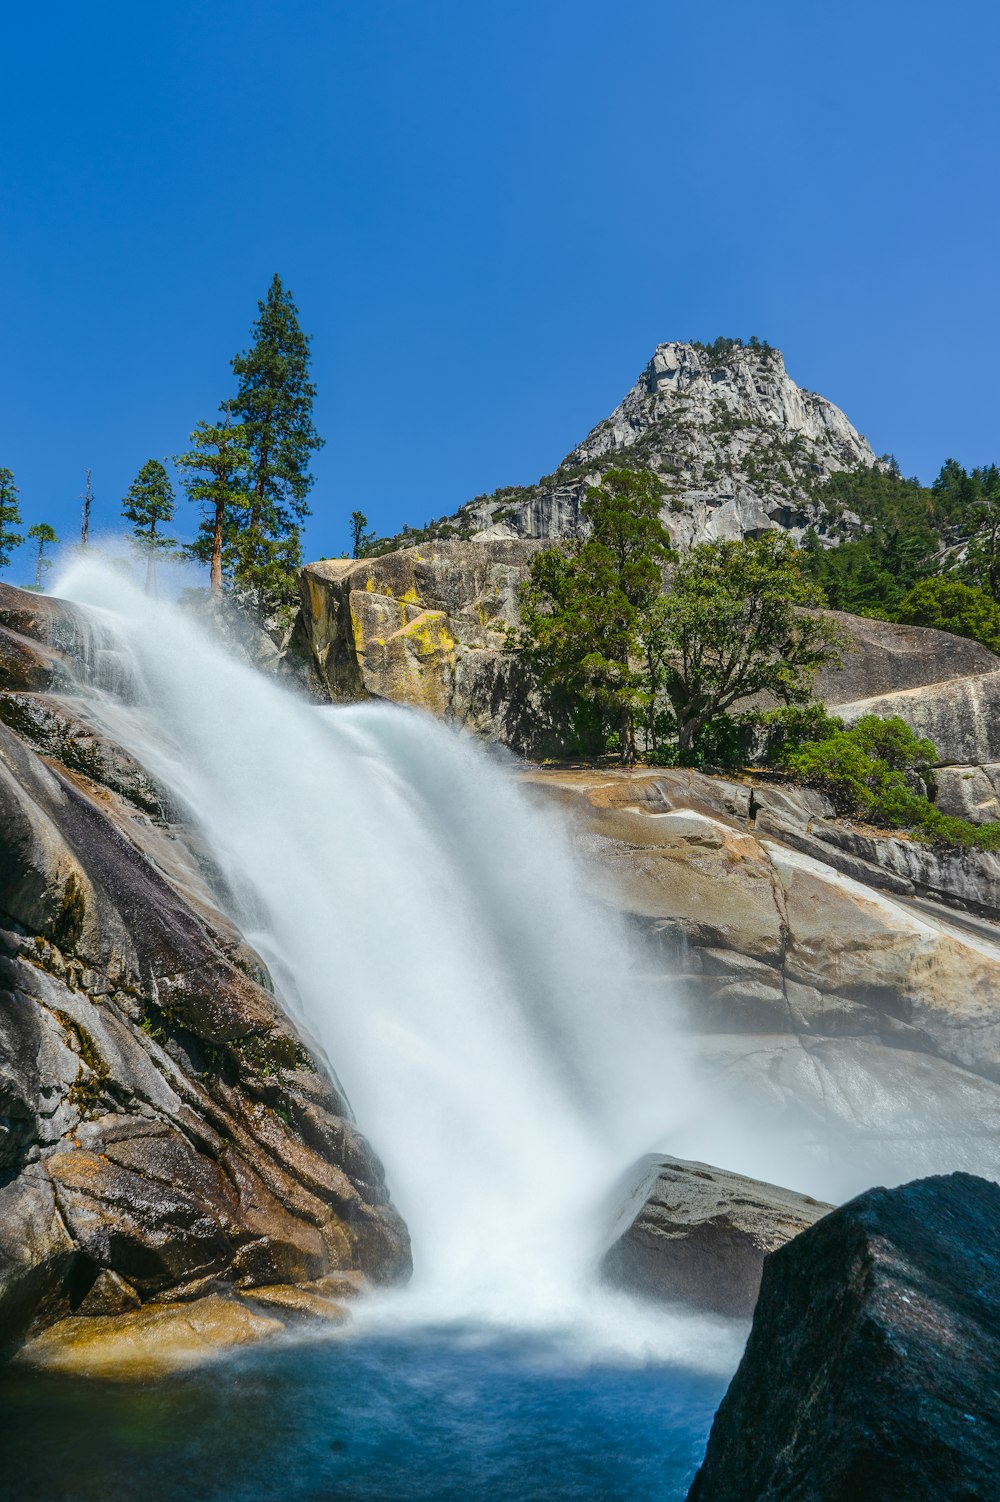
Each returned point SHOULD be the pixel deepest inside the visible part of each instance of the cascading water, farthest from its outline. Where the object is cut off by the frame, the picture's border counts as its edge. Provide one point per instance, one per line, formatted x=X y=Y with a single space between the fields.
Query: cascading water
x=428 y=924
x=431 y=928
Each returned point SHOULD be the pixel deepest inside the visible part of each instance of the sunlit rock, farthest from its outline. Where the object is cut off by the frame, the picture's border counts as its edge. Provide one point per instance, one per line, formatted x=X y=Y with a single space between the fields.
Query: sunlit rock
x=692 y=1234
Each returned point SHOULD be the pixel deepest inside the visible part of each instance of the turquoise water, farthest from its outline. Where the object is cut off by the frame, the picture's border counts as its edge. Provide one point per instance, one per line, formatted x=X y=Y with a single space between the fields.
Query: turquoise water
x=427 y=1415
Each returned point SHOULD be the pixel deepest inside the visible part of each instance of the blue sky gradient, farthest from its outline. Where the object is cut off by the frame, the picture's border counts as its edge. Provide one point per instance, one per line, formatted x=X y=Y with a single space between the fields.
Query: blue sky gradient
x=489 y=215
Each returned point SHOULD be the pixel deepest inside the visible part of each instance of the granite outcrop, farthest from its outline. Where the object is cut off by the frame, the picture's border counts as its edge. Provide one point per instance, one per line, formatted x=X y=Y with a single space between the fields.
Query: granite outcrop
x=166 y=1133
x=696 y=1235
x=872 y=1366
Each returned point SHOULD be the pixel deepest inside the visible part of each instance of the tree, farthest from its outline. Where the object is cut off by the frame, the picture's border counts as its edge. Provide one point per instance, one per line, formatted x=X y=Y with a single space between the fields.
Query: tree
x=218 y=474
x=583 y=611
x=950 y=605
x=149 y=503
x=360 y=538
x=88 y=500
x=736 y=623
x=42 y=533
x=274 y=405
x=10 y=517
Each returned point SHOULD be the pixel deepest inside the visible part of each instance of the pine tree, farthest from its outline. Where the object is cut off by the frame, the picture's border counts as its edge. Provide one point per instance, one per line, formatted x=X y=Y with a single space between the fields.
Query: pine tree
x=41 y=533
x=88 y=500
x=361 y=538
x=148 y=504
x=10 y=517
x=274 y=405
x=218 y=481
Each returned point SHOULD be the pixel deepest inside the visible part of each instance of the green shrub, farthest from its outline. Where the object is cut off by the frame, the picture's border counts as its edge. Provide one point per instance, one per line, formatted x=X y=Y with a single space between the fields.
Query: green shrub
x=873 y=771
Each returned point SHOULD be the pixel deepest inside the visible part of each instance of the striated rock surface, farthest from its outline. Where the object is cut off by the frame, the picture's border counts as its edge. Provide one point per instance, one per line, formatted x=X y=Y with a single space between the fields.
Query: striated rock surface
x=697 y=1235
x=738 y=446
x=840 y=1015
x=165 y=1132
x=960 y=715
x=872 y=1366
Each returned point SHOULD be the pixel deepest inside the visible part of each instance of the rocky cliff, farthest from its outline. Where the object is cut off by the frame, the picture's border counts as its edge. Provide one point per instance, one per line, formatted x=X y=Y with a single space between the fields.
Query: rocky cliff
x=739 y=448
x=166 y=1134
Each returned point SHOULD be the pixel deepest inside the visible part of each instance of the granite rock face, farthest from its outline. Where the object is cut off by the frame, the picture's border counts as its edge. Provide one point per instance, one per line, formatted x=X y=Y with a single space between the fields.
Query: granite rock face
x=738 y=446
x=844 y=1018
x=696 y=1235
x=960 y=715
x=873 y=1365
x=427 y=627
x=165 y=1131
x=882 y=657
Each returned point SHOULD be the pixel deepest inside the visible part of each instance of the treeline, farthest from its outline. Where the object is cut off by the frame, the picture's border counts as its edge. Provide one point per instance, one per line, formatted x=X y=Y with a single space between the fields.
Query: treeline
x=247 y=471
x=922 y=555
x=634 y=650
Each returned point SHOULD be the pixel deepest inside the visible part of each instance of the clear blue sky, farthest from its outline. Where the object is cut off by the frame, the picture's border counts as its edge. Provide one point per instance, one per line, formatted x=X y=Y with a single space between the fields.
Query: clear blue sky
x=488 y=214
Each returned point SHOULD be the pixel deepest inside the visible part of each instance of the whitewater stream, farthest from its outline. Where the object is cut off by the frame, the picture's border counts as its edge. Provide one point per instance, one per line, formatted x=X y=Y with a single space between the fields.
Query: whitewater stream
x=428 y=924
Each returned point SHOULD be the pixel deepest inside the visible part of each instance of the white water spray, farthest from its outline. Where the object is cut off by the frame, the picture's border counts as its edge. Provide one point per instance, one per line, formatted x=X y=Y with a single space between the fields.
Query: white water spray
x=429 y=924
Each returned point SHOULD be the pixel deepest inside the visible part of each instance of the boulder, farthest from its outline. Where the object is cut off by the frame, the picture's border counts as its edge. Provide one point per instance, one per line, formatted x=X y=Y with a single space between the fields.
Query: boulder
x=967 y=792
x=696 y=1235
x=872 y=1365
x=425 y=626
x=882 y=657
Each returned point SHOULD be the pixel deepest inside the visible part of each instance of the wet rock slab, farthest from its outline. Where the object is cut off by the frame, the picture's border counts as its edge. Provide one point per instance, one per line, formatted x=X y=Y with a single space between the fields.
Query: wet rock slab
x=873 y=1365
x=697 y=1235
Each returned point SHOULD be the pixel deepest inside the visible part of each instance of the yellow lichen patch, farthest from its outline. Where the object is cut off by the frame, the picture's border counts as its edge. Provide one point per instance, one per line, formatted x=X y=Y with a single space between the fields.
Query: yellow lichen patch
x=356 y=628
x=429 y=631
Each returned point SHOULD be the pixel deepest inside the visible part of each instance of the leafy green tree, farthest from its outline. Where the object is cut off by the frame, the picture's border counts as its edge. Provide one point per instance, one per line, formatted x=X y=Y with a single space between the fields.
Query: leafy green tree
x=274 y=406
x=949 y=605
x=737 y=622
x=148 y=504
x=583 y=611
x=218 y=471
x=10 y=517
x=42 y=533
x=876 y=771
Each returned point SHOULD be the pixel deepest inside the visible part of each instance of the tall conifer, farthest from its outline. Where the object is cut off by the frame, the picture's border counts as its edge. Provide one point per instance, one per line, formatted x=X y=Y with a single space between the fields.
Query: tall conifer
x=218 y=466
x=274 y=407
x=148 y=504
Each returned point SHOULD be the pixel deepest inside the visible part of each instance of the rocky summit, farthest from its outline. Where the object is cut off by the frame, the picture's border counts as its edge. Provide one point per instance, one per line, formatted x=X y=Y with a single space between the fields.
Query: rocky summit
x=738 y=446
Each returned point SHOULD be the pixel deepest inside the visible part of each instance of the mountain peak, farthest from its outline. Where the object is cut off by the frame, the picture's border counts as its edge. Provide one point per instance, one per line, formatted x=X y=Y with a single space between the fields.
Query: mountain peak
x=739 y=449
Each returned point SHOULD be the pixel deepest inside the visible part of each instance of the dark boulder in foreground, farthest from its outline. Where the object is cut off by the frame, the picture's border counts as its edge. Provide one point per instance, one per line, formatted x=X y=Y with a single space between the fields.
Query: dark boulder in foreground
x=873 y=1365
x=698 y=1235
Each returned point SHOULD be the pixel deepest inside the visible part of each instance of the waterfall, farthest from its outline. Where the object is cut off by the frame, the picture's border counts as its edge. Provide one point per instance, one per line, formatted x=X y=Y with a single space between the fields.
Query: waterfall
x=428 y=924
